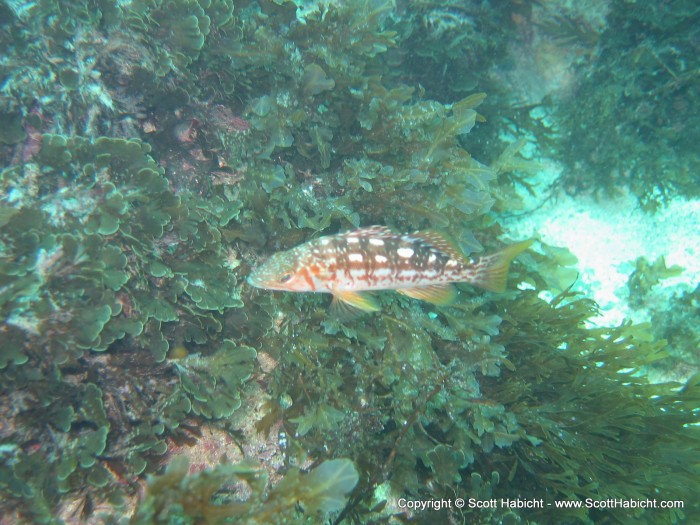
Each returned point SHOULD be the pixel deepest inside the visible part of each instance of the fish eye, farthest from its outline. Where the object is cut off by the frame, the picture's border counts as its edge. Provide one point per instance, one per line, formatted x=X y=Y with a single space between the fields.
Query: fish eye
x=286 y=277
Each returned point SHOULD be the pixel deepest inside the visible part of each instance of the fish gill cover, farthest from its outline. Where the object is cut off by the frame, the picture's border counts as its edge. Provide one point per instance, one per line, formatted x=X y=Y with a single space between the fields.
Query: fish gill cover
x=155 y=151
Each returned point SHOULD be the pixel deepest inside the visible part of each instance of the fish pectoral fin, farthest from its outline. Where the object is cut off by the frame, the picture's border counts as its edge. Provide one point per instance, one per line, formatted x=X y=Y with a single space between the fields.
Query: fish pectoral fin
x=346 y=303
x=440 y=294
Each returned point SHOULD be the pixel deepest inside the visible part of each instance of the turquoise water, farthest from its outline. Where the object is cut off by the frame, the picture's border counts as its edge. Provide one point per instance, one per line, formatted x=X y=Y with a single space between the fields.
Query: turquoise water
x=154 y=154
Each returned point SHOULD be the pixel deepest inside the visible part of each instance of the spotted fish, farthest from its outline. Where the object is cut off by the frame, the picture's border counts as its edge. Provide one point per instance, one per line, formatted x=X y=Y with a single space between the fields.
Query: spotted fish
x=348 y=265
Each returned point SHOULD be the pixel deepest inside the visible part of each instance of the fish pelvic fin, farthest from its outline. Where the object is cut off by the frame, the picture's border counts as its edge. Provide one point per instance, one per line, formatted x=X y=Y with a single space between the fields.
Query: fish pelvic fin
x=491 y=271
x=347 y=304
x=439 y=294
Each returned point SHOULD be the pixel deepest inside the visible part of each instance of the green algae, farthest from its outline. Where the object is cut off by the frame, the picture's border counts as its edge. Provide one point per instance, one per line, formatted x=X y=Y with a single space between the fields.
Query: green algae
x=636 y=93
x=124 y=239
x=645 y=276
x=212 y=383
x=176 y=497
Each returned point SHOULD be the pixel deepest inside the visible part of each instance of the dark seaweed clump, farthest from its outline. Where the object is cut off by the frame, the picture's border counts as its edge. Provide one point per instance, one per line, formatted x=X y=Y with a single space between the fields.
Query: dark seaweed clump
x=629 y=125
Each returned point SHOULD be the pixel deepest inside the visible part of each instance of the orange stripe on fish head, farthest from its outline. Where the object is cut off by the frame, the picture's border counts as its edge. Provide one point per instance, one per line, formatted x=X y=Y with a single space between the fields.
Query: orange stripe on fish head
x=306 y=275
x=283 y=271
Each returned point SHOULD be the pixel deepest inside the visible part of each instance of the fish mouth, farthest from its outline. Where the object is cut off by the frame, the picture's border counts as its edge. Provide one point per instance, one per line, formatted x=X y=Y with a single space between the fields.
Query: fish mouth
x=258 y=280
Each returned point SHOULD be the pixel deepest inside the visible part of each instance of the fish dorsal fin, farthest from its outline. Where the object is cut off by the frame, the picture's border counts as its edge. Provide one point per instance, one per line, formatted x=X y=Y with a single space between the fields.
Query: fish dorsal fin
x=440 y=242
x=440 y=294
x=370 y=231
x=347 y=304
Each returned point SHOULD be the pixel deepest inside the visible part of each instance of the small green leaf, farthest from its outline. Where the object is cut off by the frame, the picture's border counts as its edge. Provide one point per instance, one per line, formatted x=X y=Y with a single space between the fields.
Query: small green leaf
x=91 y=445
x=91 y=321
x=446 y=461
x=6 y=213
x=99 y=476
x=158 y=269
x=63 y=417
x=324 y=417
x=109 y=224
x=115 y=279
x=136 y=464
x=66 y=466
x=328 y=485
x=160 y=310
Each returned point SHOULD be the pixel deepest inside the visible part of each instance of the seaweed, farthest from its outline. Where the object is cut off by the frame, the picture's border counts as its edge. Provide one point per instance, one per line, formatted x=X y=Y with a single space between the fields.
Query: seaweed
x=635 y=93
x=207 y=497
x=143 y=178
x=647 y=275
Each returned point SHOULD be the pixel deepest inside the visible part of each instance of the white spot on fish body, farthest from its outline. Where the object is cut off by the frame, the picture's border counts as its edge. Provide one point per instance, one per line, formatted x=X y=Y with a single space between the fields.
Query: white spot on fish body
x=380 y=258
x=451 y=263
x=355 y=257
x=408 y=275
x=324 y=242
x=431 y=258
x=376 y=242
x=352 y=239
x=381 y=273
x=405 y=252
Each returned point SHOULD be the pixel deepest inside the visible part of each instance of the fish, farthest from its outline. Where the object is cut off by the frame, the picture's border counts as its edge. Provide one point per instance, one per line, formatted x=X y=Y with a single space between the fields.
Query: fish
x=351 y=265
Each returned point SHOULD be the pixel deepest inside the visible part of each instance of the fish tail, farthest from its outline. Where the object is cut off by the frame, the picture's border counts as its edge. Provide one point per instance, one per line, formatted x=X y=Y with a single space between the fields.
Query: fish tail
x=490 y=272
